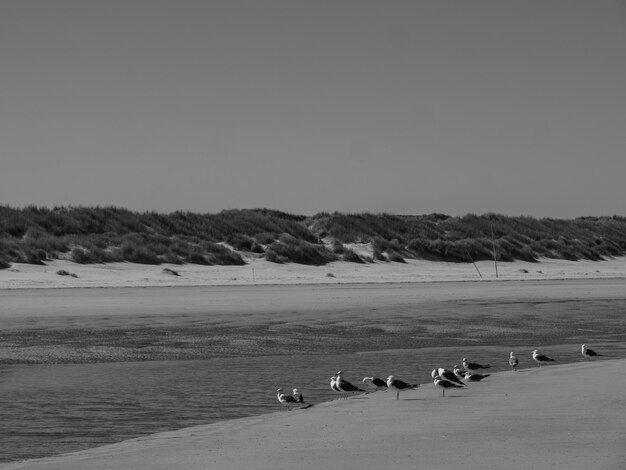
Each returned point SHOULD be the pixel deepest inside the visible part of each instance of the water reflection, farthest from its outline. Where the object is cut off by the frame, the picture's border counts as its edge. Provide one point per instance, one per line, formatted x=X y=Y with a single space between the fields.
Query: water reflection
x=50 y=409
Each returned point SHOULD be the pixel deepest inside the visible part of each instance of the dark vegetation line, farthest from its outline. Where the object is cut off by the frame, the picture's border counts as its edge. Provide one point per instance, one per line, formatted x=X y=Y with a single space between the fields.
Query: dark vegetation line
x=109 y=234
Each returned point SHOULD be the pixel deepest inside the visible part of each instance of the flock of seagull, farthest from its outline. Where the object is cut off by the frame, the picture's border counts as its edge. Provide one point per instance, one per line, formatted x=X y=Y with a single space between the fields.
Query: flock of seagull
x=443 y=378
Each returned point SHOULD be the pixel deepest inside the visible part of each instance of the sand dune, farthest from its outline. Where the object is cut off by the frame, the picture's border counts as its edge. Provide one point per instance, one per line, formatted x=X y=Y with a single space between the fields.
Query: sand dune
x=560 y=417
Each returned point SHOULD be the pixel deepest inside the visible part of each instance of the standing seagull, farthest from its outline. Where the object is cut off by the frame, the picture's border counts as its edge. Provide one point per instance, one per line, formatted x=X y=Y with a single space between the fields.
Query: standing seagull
x=540 y=358
x=513 y=361
x=444 y=384
x=344 y=386
x=375 y=383
x=474 y=365
x=399 y=385
x=298 y=396
x=285 y=400
x=449 y=375
x=588 y=353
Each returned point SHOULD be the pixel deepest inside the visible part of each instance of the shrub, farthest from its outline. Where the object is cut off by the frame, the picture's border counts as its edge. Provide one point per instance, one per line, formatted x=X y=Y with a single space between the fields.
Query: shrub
x=241 y=242
x=350 y=256
x=265 y=238
x=396 y=257
x=198 y=258
x=298 y=251
x=34 y=234
x=82 y=256
x=338 y=248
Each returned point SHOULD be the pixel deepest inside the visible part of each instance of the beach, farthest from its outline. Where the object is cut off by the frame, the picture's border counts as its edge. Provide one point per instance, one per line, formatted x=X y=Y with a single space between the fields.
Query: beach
x=559 y=416
x=261 y=272
x=562 y=417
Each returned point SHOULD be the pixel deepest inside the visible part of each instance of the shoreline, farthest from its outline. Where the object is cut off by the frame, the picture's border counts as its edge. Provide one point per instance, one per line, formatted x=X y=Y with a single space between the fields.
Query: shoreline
x=499 y=422
x=417 y=430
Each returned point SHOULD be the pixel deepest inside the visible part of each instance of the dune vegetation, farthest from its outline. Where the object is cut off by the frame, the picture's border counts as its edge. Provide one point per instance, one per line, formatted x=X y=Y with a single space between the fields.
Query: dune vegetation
x=110 y=234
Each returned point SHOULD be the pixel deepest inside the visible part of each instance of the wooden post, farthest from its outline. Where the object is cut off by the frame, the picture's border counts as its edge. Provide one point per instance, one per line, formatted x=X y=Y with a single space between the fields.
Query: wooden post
x=493 y=242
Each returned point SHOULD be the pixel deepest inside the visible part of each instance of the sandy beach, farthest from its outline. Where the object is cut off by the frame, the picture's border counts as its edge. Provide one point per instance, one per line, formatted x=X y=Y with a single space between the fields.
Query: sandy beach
x=262 y=272
x=562 y=417
x=568 y=416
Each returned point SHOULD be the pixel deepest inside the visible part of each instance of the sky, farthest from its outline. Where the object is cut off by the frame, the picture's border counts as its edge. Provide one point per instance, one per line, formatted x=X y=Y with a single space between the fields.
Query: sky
x=396 y=106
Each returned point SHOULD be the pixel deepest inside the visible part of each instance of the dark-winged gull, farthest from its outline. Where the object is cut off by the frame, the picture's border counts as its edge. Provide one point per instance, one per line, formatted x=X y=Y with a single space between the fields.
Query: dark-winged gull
x=474 y=365
x=588 y=353
x=449 y=375
x=513 y=361
x=475 y=376
x=399 y=385
x=285 y=400
x=344 y=386
x=541 y=358
x=375 y=383
x=444 y=384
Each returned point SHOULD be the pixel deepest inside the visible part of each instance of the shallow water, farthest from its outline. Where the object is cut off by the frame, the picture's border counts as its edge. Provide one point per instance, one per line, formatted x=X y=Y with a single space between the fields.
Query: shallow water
x=51 y=409
x=143 y=374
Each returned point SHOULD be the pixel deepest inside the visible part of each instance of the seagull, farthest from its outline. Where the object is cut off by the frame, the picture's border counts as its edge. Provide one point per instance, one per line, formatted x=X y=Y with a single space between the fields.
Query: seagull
x=540 y=358
x=588 y=353
x=399 y=385
x=475 y=376
x=474 y=365
x=375 y=383
x=449 y=375
x=333 y=384
x=298 y=396
x=286 y=400
x=444 y=384
x=460 y=373
x=513 y=361
x=344 y=386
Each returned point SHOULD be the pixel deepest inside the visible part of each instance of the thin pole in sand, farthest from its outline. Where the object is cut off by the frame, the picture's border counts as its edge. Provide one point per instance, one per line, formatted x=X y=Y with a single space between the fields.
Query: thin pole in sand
x=471 y=259
x=493 y=242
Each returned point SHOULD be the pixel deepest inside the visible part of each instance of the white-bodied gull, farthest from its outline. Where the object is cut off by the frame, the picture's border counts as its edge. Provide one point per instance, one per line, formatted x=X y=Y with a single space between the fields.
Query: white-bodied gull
x=541 y=358
x=399 y=385
x=333 y=384
x=513 y=361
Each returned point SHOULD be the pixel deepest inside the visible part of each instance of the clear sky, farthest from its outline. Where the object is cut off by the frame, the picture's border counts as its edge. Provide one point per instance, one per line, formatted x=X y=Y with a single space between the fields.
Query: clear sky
x=398 y=106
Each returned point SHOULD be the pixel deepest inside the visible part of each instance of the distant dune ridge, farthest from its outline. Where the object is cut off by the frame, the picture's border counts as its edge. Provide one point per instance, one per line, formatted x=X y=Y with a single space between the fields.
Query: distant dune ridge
x=90 y=235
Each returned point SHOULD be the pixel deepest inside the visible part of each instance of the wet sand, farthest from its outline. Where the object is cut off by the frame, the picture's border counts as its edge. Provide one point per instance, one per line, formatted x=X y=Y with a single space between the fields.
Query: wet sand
x=562 y=417
x=565 y=416
x=68 y=325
